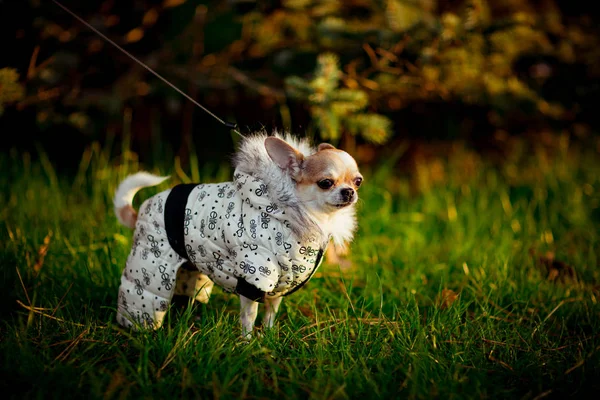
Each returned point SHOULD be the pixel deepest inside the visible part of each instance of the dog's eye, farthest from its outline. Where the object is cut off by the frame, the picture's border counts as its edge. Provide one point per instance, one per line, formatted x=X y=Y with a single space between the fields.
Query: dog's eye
x=358 y=182
x=325 y=184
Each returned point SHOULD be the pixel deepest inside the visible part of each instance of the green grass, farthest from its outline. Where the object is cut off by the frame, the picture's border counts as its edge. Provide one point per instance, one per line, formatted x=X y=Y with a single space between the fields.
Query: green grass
x=377 y=329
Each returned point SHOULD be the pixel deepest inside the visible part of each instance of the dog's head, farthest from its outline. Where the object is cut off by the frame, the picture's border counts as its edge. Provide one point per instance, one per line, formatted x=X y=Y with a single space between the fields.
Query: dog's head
x=326 y=181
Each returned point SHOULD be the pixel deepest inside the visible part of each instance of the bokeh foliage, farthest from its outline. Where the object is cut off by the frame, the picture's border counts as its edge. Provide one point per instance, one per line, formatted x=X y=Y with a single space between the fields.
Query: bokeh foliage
x=336 y=109
x=335 y=67
x=10 y=89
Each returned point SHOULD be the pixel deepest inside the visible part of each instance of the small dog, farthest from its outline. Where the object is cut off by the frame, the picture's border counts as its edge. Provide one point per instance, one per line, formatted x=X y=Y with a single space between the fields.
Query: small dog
x=261 y=236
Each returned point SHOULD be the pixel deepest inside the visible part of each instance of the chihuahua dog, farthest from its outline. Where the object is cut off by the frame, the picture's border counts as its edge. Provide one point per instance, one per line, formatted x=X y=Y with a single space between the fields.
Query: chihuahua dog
x=261 y=236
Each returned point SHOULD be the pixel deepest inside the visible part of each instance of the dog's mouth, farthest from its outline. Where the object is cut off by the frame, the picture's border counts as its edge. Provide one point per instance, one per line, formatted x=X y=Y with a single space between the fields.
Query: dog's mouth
x=341 y=205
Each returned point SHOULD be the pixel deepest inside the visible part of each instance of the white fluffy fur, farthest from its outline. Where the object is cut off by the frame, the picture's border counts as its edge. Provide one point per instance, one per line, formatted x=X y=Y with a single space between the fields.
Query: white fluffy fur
x=252 y=158
x=129 y=187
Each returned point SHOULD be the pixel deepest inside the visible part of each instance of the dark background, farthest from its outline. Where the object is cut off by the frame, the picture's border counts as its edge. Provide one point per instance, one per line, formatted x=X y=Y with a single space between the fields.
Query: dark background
x=78 y=89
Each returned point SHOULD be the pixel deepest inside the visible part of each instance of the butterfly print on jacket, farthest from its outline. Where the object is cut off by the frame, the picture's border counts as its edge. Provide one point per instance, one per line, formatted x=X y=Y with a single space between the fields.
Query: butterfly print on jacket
x=166 y=279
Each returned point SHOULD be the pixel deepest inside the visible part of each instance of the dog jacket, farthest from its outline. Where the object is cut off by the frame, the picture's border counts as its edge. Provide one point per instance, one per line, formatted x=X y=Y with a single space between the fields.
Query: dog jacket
x=237 y=233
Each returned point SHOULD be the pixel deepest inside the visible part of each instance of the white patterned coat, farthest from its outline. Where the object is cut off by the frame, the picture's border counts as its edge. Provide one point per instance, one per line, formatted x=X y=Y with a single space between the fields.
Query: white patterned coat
x=232 y=231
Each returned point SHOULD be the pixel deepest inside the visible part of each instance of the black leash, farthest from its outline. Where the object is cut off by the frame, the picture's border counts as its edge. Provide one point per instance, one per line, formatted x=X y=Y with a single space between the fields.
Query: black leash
x=230 y=125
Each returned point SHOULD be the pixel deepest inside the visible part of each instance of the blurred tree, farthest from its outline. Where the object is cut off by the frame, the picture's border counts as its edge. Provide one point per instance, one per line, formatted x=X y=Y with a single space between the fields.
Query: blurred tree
x=358 y=68
x=414 y=50
x=336 y=110
x=10 y=89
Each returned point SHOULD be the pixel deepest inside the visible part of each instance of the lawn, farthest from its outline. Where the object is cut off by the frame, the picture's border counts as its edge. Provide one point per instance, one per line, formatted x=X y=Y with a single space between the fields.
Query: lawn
x=468 y=278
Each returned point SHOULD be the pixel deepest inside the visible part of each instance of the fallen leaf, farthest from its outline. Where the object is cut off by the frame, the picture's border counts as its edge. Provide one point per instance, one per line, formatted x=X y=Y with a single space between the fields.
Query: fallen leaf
x=43 y=250
x=555 y=270
x=446 y=298
x=306 y=311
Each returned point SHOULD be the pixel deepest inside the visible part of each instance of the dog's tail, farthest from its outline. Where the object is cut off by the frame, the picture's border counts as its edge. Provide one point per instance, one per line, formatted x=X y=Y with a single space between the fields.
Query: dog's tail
x=123 y=200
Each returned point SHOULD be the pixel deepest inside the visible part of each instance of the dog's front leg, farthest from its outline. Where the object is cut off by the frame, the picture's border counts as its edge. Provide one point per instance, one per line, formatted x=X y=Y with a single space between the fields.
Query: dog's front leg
x=271 y=307
x=248 y=313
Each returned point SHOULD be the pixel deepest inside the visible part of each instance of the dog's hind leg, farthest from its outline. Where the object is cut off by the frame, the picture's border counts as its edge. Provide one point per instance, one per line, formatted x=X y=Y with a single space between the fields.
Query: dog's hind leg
x=192 y=283
x=203 y=288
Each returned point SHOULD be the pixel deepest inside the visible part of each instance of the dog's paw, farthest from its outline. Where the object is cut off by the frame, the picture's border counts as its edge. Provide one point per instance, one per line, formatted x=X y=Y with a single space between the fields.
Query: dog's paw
x=244 y=340
x=338 y=256
x=345 y=263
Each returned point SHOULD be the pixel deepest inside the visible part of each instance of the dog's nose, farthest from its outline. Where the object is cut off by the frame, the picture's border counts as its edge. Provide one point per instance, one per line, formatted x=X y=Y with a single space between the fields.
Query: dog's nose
x=347 y=194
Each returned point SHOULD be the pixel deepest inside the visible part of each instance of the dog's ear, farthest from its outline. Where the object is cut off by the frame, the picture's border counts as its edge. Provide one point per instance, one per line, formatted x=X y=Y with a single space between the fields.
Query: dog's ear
x=284 y=155
x=325 y=146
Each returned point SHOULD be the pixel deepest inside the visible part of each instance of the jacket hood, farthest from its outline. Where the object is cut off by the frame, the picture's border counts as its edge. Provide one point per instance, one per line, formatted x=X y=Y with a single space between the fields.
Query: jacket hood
x=252 y=159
